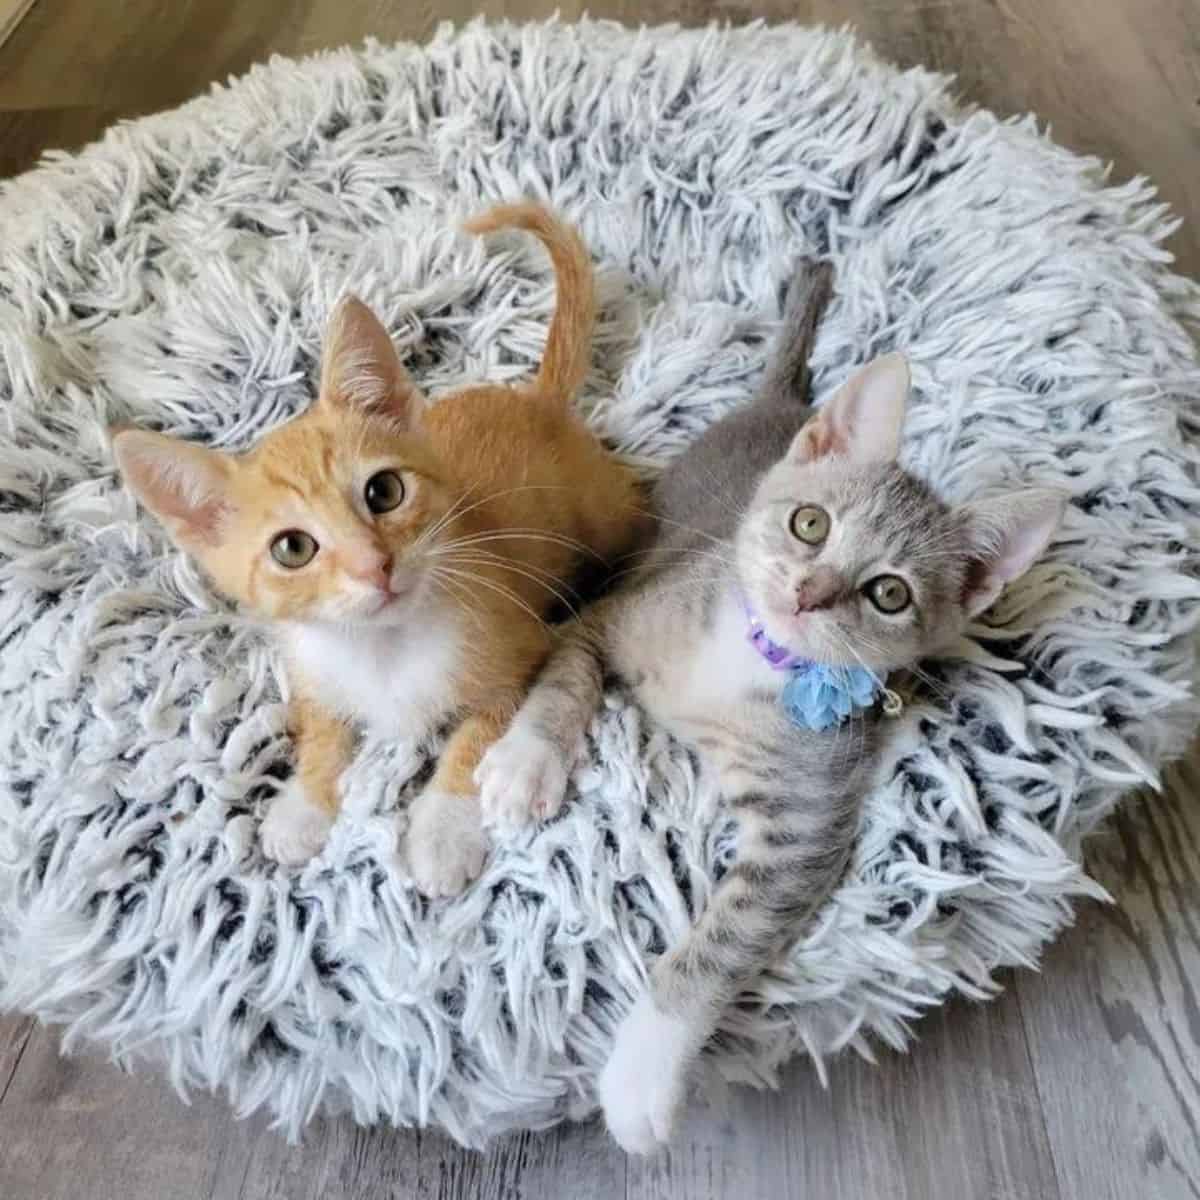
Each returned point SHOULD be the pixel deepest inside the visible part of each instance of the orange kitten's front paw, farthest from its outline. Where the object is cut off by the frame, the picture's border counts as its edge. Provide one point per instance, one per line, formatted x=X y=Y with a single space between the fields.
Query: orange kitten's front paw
x=522 y=778
x=446 y=842
x=296 y=826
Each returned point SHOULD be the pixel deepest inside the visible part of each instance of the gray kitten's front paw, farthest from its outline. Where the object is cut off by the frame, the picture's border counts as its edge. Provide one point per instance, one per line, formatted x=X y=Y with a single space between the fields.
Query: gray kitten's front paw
x=521 y=778
x=446 y=842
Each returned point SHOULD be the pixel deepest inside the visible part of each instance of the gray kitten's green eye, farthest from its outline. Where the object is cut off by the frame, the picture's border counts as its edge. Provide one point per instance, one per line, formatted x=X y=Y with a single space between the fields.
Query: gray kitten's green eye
x=889 y=593
x=294 y=548
x=384 y=491
x=810 y=524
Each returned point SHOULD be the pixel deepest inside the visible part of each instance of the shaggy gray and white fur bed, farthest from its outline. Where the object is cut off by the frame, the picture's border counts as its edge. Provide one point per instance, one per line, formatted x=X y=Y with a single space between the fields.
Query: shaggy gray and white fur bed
x=179 y=274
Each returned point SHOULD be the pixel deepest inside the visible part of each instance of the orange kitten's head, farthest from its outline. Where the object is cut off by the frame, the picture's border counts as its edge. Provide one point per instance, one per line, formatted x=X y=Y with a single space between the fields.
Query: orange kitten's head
x=330 y=516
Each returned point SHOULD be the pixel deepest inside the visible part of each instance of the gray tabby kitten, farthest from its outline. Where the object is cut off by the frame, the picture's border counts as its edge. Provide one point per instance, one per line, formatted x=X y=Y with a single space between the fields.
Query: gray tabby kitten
x=805 y=521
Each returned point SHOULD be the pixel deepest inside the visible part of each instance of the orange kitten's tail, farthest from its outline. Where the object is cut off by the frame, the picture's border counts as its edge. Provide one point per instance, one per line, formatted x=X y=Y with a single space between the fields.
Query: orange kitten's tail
x=569 y=344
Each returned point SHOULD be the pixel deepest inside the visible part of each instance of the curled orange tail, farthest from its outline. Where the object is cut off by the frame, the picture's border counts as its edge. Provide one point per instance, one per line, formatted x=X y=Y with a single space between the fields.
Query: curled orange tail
x=569 y=343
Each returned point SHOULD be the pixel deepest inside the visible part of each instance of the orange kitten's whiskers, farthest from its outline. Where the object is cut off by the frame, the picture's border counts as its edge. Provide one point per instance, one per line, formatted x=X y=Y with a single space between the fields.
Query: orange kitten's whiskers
x=461 y=598
x=533 y=535
x=659 y=519
x=455 y=510
x=460 y=509
x=478 y=580
x=538 y=577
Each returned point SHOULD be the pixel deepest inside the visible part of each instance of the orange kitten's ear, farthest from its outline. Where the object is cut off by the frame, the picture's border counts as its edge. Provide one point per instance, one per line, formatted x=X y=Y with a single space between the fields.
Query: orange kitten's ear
x=361 y=366
x=183 y=485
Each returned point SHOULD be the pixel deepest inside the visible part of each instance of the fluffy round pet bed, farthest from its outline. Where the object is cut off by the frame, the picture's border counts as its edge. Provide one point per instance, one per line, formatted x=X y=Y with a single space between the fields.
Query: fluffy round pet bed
x=179 y=274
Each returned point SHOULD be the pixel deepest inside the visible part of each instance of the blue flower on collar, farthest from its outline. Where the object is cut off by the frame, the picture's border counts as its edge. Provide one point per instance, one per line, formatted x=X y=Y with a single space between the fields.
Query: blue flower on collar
x=818 y=697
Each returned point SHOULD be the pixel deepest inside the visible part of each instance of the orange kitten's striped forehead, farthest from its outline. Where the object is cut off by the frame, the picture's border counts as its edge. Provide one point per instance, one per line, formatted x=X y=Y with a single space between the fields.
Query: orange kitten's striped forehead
x=327 y=517
x=331 y=515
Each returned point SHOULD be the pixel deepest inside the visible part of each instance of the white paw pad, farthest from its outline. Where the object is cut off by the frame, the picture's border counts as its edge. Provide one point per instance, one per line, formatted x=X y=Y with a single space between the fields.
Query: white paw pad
x=446 y=843
x=295 y=827
x=644 y=1083
x=522 y=778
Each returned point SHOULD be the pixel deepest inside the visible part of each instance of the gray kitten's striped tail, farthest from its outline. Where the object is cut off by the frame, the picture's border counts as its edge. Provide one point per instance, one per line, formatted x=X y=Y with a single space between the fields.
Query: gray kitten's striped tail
x=787 y=379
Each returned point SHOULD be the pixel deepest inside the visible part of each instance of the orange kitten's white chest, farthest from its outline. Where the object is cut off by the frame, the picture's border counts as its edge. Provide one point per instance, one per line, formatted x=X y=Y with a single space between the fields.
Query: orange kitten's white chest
x=397 y=680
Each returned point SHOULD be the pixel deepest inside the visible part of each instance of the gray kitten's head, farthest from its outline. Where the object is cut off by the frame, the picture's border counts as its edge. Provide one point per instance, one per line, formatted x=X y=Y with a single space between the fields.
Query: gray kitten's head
x=847 y=559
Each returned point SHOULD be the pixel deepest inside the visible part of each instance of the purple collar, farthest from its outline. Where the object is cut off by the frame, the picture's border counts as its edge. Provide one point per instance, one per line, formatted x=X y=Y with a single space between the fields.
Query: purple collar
x=817 y=696
x=778 y=657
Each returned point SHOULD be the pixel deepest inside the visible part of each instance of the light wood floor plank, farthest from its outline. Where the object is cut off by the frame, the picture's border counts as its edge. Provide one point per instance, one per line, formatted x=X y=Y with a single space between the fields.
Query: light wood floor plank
x=15 y=1032
x=12 y=12
x=958 y=1117
x=960 y=1113
x=341 y=1162
x=1114 y=1020
x=72 y=1127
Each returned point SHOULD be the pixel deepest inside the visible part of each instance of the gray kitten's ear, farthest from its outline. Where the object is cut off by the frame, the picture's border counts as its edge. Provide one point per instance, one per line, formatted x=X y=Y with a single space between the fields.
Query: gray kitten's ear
x=862 y=420
x=184 y=485
x=360 y=366
x=1007 y=534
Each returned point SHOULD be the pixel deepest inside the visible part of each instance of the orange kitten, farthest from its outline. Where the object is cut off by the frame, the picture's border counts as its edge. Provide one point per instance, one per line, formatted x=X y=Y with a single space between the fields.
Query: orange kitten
x=406 y=553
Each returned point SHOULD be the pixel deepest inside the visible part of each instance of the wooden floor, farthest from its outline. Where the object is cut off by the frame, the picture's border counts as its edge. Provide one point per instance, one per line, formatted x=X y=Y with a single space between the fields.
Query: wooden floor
x=1081 y=1083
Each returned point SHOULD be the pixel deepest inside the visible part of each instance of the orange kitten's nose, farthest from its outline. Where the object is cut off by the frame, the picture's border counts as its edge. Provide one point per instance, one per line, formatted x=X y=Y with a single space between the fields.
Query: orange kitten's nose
x=369 y=566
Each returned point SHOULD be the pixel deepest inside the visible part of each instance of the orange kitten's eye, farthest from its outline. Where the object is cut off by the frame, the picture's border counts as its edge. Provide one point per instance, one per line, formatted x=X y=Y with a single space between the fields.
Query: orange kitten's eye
x=294 y=548
x=384 y=491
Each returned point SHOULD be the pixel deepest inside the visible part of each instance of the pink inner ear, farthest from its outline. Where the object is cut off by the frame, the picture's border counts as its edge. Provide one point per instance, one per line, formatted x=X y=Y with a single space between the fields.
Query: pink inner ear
x=1012 y=532
x=361 y=367
x=207 y=519
x=980 y=588
x=862 y=420
x=818 y=438
x=182 y=484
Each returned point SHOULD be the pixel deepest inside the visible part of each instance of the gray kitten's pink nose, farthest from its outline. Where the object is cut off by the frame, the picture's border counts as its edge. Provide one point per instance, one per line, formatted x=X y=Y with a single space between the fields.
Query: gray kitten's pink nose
x=818 y=589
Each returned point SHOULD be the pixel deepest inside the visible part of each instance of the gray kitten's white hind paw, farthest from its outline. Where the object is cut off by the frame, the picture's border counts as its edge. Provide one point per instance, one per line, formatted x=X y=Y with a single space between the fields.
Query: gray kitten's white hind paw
x=644 y=1083
x=296 y=826
x=522 y=778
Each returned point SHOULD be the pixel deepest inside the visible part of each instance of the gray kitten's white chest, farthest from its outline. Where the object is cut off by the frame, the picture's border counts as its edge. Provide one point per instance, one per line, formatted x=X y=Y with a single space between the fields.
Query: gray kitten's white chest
x=709 y=672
